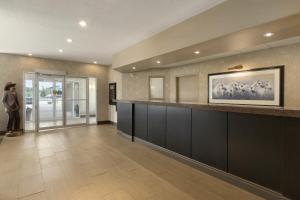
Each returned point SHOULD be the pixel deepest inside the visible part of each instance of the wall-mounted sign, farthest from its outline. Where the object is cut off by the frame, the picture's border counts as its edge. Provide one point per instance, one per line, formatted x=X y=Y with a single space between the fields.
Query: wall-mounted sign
x=261 y=86
x=112 y=93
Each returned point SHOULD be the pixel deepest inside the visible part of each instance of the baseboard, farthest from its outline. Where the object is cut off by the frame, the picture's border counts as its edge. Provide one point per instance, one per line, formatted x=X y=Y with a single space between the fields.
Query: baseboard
x=227 y=177
x=124 y=134
x=105 y=122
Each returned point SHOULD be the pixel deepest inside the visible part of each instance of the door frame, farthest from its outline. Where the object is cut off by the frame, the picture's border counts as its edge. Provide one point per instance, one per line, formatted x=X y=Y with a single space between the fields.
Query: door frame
x=36 y=100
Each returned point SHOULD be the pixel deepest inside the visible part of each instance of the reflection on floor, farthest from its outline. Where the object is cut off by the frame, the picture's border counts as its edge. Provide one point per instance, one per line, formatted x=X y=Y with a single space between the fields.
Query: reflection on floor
x=30 y=125
x=51 y=124
x=92 y=163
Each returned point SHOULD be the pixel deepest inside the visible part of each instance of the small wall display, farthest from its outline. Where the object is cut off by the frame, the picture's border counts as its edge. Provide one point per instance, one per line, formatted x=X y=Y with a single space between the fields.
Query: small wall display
x=112 y=93
x=261 y=86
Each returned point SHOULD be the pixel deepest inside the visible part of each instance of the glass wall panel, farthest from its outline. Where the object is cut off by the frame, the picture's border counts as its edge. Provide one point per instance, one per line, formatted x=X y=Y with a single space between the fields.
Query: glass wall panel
x=29 y=101
x=92 y=100
x=76 y=101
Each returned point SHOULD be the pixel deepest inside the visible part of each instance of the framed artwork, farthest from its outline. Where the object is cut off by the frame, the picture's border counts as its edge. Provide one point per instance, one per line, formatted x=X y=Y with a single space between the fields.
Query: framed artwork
x=261 y=86
x=112 y=93
x=156 y=87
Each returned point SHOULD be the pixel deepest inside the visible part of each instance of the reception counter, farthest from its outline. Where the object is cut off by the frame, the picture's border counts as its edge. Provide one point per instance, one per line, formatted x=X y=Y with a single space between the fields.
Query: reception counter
x=258 y=144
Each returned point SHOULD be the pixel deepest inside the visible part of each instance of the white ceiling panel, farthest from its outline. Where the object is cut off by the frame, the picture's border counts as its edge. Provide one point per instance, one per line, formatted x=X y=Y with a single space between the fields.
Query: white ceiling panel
x=41 y=27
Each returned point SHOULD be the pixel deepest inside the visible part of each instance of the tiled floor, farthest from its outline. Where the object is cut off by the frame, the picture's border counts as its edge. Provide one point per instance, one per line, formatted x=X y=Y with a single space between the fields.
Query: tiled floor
x=94 y=163
x=30 y=125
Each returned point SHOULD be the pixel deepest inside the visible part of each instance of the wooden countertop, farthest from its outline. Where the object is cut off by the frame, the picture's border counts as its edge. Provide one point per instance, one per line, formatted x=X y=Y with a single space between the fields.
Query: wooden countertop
x=260 y=110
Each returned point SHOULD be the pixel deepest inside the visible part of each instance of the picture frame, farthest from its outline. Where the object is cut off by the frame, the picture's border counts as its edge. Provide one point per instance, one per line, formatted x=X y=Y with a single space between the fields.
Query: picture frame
x=112 y=94
x=259 y=87
x=156 y=87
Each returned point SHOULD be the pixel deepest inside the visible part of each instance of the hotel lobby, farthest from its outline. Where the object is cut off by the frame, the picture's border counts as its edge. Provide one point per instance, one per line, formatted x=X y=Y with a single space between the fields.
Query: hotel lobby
x=150 y=100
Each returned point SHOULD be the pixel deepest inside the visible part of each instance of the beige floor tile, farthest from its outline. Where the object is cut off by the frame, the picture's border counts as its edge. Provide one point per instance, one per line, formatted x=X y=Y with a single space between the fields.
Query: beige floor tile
x=48 y=162
x=30 y=169
x=95 y=163
x=57 y=190
x=46 y=152
x=9 y=165
x=38 y=196
x=8 y=192
x=30 y=185
x=52 y=174
x=119 y=195
x=9 y=179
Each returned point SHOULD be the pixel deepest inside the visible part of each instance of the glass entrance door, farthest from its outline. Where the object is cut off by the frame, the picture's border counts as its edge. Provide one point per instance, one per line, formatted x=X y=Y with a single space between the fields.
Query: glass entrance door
x=50 y=101
x=76 y=101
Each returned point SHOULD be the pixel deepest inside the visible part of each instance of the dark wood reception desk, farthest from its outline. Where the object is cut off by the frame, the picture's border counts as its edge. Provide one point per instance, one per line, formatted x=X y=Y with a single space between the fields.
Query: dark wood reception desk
x=258 y=144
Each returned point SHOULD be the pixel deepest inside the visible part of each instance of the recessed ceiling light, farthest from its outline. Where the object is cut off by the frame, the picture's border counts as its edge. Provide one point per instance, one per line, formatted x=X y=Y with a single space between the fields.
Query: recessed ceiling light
x=197 y=52
x=133 y=68
x=158 y=62
x=30 y=54
x=60 y=50
x=69 y=40
x=269 y=34
x=95 y=62
x=82 y=23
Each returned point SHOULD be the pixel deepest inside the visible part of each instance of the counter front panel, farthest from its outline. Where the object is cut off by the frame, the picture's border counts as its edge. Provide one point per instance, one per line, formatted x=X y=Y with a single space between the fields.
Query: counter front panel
x=141 y=121
x=209 y=133
x=255 y=148
x=261 y=146
x=157 y=125
x=178 y=135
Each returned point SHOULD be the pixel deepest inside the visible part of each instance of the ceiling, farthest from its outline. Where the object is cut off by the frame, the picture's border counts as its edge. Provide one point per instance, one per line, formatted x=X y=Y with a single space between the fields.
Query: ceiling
x=41 y=27
x=285 y=31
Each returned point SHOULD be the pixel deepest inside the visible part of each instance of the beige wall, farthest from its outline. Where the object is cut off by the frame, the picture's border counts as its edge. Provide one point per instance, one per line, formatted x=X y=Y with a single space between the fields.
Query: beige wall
x=115 y=77
x=188 y=88
x=13 y=66
x=135 y=86
x=228 y=17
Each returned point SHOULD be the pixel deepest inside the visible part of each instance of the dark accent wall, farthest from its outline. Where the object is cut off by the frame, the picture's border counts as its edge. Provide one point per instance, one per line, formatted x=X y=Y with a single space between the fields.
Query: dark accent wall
x=178 y=135
x=255 y=148
x=209 y=133
x=157 y=125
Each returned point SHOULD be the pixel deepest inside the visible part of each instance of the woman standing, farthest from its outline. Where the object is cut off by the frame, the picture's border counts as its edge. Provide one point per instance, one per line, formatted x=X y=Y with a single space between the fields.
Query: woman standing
x=12 y=107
